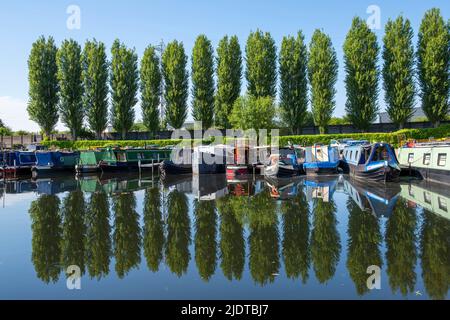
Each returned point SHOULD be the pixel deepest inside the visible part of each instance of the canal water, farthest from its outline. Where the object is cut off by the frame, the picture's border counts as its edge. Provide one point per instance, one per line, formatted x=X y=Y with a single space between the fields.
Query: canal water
x=134 y=237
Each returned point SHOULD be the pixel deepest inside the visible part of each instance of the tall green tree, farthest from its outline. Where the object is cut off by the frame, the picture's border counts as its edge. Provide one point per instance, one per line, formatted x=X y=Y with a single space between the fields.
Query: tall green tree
x=433 y=64
x=46 y=237
x=43 y=84
x=293 y=81
x=322 y=72
x=398 y=70
x=203 y=81
x=151 y=82
x=95 y=86
x=261 y=71
x=250 y=112
x=71 y=108
x=175 y=75
x=124 y=86
x=229 y=78
x=361 y=80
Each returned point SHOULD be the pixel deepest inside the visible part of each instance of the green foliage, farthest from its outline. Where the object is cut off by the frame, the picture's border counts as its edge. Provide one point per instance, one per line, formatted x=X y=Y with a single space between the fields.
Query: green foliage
x=361 y=80
x=175 y=75
x=178 y=233
x=325 y=241
x=250 y=112
x=261 y=58
x=43 y=84
x=322 y=72
x=124 y=86
x=95 y=83
x=151 y=86
x=401 y=254
x=398 y=70
x=46 y=237
x=293 y=81
x=229 y=75
x=98 y=239
x=153 y=229
x=338 y=121
x=73 y=211
x=5 y=130
x=71 y=108
x=127 y=233
x=232 y=242
x=203 y=82
x=433 y=64
x=205 y=238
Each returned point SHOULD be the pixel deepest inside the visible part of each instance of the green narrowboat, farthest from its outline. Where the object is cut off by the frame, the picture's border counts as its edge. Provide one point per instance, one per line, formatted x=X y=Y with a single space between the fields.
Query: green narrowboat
x=90 y=160
x=427 y=160
x=129 y=159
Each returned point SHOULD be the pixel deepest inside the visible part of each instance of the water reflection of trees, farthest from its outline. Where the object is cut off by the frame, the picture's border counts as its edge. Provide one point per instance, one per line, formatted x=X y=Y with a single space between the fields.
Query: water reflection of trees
x=205 y=238
x=364 y=238
x=435 y=254
x=127 y=233
x=178 y=233
x=46 y=237
x=264 y=261
x=74 y=230
x=153 y=229
x=296 y=229
x=401 y=254
x=325 y=240
x=98 y=239
x=232 y=242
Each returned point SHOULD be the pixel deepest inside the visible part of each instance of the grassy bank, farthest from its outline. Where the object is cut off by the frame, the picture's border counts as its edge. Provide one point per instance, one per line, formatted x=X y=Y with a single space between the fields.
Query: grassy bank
x=393 y=138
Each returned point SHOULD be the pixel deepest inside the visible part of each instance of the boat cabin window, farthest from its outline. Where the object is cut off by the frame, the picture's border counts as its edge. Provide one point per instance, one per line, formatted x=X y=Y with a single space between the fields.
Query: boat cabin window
x=410 y=157
x=351 y=155
x=442 y=159
x=426 y=159
x=442 y=204
x=381 y=154
x=121 y=156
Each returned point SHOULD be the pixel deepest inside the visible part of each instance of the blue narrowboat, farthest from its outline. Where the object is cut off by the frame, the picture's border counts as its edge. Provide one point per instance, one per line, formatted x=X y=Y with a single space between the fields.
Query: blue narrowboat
x=284 y=164
x=321 y=160
x=372 y=162
x=16 y=163
x=53 y=162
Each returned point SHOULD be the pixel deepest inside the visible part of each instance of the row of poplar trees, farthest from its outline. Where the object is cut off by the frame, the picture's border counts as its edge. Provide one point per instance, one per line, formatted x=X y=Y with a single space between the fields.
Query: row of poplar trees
x=76 y=84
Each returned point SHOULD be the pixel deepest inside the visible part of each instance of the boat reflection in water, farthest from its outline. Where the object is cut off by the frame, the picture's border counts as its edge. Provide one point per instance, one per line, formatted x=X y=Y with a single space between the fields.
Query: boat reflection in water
x=253 y=230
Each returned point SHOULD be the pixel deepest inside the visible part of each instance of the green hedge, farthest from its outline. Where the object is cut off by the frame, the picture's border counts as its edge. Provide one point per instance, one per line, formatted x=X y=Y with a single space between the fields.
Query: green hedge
x=393 y=138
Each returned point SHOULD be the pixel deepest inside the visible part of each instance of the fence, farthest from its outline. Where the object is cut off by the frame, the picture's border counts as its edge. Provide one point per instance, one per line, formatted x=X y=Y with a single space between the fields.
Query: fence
x=11 y=141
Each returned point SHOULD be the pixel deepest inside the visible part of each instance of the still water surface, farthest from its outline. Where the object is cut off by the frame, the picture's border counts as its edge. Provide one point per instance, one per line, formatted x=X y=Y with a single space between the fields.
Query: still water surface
x=206 y=238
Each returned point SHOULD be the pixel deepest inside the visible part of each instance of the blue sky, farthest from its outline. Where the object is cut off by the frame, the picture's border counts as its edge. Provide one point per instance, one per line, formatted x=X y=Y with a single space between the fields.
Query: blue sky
x=140 y=23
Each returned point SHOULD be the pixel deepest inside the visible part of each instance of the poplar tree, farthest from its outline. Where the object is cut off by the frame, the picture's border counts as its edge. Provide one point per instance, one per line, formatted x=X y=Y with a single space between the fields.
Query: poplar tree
x=124 y=86
x=322 y=72
x=150 y=89
x=433 y=64
x=175 y=75
x=229 y=78
x=43 y=84
x=361 y=80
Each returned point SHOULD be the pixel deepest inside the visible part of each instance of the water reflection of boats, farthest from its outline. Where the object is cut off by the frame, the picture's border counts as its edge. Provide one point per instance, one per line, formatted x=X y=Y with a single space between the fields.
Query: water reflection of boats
x=109 y=183
x=210 y=187
x=380 y=199
x=321 y=187
x=430 y=196
x=245 y=185
x=283 y=188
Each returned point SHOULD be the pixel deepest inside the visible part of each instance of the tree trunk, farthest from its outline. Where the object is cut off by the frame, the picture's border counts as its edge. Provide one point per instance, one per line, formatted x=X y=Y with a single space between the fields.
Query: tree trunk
x=401 y=125
x=74 y=135
x=124 y=134
x=437 y=124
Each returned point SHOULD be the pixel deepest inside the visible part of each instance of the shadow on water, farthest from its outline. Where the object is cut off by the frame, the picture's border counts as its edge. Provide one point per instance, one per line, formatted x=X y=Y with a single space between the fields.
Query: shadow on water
x=249 y=227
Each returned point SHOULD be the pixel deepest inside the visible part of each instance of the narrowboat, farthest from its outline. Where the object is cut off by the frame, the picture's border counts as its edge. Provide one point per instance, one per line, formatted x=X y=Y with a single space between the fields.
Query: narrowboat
x=321 y=160
x=426 y=160
x=180 y=162
x=133 y=158
x=16 y=163
x=89 y=160
x=211 y=159
x=53 y=162
x=284 y=164
x=375 y=162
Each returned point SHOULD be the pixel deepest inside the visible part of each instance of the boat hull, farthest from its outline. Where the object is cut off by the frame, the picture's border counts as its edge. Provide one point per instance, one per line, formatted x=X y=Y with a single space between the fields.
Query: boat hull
x=380 y=174
x=42 y=172
x=281 y=171
x=320 y=170
x=15 y=171
x=167 y=167
x=236 y=171
x=429 y=174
